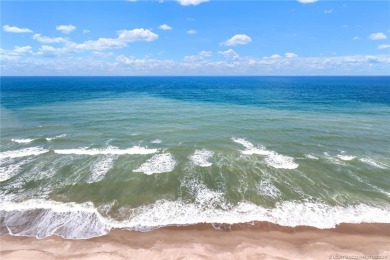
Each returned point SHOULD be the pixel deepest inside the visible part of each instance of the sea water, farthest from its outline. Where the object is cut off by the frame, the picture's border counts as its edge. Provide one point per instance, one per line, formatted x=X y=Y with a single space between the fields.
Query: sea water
x=83 y=155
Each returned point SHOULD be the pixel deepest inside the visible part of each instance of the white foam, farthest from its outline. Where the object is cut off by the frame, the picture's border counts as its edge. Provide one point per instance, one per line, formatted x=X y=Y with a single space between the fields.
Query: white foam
x=10 y=168
x=343 y=156
x=109 y=150
x=281 y=161
x=310 y=156
x=100 y=168
x=157 y=141
x=22 y=141
x=30 y=151
x=334 y=160
x=374 y=163
x=49 y=139
x=6 y=172
x=272 y=159
x=202 y=157
x=346 y=157
x=248 y=145
x=159 y=163
x=267 y=188
x=164 y=213
x=43 y=218
x=205 y=197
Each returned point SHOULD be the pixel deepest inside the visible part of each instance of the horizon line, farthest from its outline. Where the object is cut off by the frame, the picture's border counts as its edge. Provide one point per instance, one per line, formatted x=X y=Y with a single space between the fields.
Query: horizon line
x=379 y=75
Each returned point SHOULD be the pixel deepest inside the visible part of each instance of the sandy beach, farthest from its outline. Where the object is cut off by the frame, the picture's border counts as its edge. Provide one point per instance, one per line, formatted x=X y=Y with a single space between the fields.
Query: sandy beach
x=259 y=241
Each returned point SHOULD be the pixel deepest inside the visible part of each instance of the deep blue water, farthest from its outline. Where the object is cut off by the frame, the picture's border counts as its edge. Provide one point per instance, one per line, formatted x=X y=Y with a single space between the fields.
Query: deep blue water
x=272 y=92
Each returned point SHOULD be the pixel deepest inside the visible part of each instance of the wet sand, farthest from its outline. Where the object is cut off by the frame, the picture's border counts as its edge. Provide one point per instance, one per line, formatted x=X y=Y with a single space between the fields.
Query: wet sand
x=258 y=241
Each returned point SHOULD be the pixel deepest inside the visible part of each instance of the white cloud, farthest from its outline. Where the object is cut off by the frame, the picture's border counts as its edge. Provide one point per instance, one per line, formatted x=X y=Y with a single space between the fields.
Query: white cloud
x=50 y=51
x=165 y=27
x=103 y=54
x=16 y=53
x=238 y=39
x=97 y=45
x=290 y=55
x=230 y=54
x=122 y=65
x=205 y=53
x=22 y=50
x=201 y=56
x=66 y=29
x=377 y=36
x=14 y=29
x=191 y=2
x=307 y=1
x=143 y=66
x=139 y=34
x=124 y=37
x=192 y=31
x=45 y=39
x=5 y=57
x=384 y=46
x=356 y=38
x=86 y=31
x=329 y=11
x=275 y=56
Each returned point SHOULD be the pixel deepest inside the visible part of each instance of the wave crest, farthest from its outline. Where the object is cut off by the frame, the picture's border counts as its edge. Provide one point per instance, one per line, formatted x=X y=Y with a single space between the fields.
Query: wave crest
x=43 y=218
x=159 y=163
x=272 y=158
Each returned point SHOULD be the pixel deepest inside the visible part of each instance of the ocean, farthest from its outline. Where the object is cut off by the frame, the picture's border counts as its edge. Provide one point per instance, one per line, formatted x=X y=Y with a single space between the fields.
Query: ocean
x=81 y=156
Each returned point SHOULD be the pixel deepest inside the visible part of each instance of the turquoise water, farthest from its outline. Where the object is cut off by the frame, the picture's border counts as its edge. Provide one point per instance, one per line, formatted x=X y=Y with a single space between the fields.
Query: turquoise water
x=83 y=155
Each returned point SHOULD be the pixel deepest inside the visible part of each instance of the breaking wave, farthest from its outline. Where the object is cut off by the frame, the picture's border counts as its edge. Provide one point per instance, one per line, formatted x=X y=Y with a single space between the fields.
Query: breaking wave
x=109 y=150
x=41 y=218
x=272 y=158
x=202 y=157
x=159 y=163
x=23 y=152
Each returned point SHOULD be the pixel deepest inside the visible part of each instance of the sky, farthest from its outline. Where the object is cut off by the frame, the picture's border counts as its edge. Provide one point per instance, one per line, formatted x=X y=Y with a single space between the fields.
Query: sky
x=195 y=37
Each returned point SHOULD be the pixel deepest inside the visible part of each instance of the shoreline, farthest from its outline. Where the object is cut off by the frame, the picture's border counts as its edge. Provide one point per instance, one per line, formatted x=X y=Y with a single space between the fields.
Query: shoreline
x=260 y=240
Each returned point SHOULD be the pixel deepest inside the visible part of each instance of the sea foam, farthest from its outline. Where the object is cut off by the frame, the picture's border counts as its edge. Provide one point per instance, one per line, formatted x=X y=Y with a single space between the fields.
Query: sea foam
x=159 y=163
x=333 y=159
x=43 y=218
x=30 y=151
x=374 y=163
x=272 y=158
x=9 y=168
x=22 y=141
x=267 y=188
x=345 y=157
x=109 y=150
x=69 y=220
x=202 y=157
x=100 y=168
x=49 y=139
x=310 y=156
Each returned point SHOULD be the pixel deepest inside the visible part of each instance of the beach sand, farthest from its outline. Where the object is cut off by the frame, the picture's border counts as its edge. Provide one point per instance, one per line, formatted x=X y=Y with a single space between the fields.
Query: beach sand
x=245 y=241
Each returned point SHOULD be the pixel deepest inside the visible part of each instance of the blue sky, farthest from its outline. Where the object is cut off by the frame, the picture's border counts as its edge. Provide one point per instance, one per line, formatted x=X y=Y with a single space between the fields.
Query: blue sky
x=195 y=37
